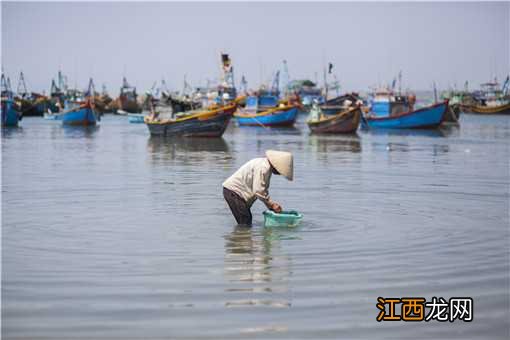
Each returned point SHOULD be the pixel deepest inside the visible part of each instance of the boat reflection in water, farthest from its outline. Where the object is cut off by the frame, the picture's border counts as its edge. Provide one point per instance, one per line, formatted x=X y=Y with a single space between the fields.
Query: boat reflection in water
x=261 y=130
x=443 y=131
x=77 y=131
x=188 y=150
x=257 y=271
x=336 y=143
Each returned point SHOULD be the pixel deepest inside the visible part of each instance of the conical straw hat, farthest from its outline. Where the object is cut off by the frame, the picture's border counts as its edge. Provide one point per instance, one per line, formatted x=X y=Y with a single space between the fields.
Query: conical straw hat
x=282 y=161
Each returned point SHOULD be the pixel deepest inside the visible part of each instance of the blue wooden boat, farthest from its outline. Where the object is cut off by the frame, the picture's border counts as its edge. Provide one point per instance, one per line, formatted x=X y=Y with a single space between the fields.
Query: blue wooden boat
x=280 y=116
x=84 y=114
x=423 y=118
x=10 y=117
x=264 y=110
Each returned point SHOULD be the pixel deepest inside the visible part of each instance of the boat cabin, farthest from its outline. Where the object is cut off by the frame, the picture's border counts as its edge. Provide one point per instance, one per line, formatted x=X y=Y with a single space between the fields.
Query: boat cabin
x=262 y=101
x=385 y=104
x=307 y=91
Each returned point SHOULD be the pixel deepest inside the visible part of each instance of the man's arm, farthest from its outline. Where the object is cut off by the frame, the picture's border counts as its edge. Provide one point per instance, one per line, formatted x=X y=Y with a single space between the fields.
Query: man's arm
x=260 y=185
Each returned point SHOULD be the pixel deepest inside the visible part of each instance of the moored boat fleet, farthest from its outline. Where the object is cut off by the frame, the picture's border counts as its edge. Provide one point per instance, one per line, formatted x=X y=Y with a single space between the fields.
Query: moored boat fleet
x=206 y=112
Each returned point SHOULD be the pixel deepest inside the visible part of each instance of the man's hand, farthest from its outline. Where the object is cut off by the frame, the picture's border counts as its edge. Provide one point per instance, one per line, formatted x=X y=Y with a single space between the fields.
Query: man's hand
x=276 y=207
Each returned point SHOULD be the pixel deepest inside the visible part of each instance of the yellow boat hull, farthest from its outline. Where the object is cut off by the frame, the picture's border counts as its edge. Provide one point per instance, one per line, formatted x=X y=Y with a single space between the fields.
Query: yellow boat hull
x=501 y=109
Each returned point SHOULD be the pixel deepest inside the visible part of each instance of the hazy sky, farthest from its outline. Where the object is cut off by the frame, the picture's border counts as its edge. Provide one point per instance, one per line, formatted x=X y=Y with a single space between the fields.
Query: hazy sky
x=367 y=42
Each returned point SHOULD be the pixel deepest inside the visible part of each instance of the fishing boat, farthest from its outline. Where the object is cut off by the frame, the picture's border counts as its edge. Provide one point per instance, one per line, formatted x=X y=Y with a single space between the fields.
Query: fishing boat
x=210 y=122
x=344 y=121
x=423 y=118
x=81 y=114
x=459 y=101
x=283 y=115
x=58 y=94
x=264 y=109
x=127 y=101
x=10 y=115
x=30 y=103
x=491 y=109
x=389 y=110
x=492 y=99
x=334 y=105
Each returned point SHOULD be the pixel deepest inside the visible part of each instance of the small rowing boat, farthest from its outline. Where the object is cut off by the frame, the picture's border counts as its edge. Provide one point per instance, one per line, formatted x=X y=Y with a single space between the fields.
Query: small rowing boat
x=82 y=114
x=344 y=121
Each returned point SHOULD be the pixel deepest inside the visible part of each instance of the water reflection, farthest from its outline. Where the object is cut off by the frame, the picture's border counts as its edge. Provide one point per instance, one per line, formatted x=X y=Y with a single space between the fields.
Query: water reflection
x=268 y=131
x=442 y=132
x=77 y=131
x=11 y=131
x=188 y=149
x=339 y=143
x=256 y=269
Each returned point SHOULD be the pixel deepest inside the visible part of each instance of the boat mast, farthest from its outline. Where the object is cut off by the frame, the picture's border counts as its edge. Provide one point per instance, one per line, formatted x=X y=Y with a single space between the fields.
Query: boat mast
x=6 y=87
x=285 y=79
x=400 y=82
x=164 y=88
x=9 y=85
x=244 y=85
x=276 y=82
x=325 y=84
x=91 y=90
x=185 y=85
x=22 y=86
x=227 y=75
x=336 y=85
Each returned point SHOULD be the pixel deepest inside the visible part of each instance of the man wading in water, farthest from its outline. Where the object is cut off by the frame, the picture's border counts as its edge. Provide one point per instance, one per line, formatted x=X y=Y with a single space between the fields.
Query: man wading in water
x=251 y=181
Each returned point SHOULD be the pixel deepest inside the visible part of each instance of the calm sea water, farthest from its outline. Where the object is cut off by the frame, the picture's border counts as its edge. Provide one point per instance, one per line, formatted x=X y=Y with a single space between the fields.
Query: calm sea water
x=108 y=233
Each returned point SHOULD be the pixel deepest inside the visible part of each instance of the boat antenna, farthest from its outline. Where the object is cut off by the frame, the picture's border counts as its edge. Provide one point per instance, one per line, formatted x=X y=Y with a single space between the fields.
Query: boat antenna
x=336 y=85
x=9 y=84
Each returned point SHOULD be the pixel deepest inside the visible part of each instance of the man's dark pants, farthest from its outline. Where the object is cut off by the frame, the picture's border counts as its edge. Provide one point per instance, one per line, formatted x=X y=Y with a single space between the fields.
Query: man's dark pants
x=239 y=207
